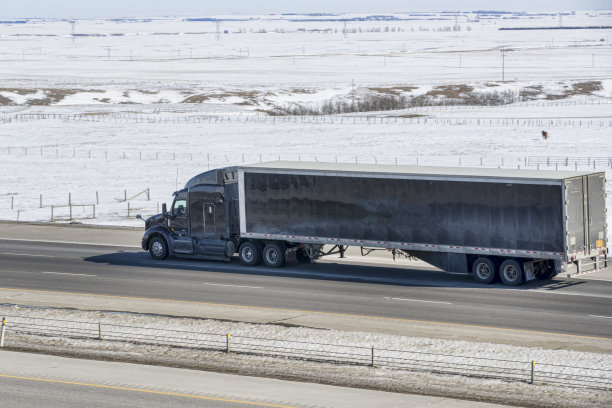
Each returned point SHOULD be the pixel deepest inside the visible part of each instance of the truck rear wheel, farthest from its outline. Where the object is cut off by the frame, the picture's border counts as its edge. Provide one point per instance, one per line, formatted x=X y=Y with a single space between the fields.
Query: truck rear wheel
x=511 y=273
x=250 y=253
x=274 y=255
x=158 y=248
x=484 y=270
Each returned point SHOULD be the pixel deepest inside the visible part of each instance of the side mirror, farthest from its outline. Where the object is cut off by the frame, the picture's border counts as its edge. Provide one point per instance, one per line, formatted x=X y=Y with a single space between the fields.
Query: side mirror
x=139 y=216
x=164 y=210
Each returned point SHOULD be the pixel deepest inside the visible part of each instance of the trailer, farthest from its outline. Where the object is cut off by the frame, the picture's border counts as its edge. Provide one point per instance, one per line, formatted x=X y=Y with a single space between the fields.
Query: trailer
x=515 y=225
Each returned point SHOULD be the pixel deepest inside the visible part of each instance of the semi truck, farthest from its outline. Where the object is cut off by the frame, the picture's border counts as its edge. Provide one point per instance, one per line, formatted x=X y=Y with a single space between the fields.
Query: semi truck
x=512 y=225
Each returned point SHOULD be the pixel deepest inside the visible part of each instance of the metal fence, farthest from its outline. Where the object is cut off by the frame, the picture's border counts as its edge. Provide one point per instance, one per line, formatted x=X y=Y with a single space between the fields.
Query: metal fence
x=527 y=371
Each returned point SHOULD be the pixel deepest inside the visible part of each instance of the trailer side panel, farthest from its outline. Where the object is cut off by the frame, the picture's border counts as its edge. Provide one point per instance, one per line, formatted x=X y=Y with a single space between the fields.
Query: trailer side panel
x=460 y=213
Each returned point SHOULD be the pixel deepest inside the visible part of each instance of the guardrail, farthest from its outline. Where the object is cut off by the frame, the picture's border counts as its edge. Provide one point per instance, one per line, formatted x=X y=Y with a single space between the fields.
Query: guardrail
x=526 y=371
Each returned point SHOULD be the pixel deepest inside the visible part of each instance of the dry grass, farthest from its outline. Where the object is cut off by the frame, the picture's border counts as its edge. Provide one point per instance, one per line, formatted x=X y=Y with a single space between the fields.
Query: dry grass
x=302 y=91
x=51 y=95
x=580 y=88
x=407 y=115
x=393 y=90
x=248 y=96
x=451 y=91
x=19 y=91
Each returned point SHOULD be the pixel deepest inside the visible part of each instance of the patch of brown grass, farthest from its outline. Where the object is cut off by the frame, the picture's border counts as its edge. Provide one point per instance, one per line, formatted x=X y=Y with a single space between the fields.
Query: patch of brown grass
x=407 y=115
x=302 y=91
x=451 y=91
x=579 y=88
x=393 y=90
x=19 y=91
x=248 y=96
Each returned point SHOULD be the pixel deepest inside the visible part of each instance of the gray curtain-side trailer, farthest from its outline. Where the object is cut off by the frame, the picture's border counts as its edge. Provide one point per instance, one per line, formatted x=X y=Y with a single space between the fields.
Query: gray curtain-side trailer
x=515 y=224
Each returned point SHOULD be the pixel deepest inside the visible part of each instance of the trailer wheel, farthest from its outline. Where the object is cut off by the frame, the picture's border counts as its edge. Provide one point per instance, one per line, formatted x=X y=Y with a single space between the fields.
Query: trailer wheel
x=484 y=270
x=511 y=273
x=274 y=255
x=250 y=253
x=158 y=248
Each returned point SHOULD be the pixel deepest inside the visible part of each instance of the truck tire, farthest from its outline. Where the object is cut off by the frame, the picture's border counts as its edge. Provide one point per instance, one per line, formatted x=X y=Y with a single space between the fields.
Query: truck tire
x=484 y=270
x=158 y=248
x=250 y=253
x=511 y=273
x=274 y=255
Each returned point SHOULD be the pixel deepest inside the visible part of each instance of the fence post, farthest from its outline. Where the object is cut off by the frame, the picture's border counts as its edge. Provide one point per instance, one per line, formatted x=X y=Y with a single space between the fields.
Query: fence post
x=2 y=334
x=372 y=363
x=93 y=206
x=97 y=198
x=227 y=343
x=148 y=195
x=12 y=202
x=52 y=207
x=532 y=371
x=40 y=201
x=70 y=204
x=128 y=209
x=99 y=330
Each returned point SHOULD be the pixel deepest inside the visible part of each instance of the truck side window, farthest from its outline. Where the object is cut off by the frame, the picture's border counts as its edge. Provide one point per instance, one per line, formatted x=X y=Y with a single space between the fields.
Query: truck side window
x=179 y=207
x=209 y=217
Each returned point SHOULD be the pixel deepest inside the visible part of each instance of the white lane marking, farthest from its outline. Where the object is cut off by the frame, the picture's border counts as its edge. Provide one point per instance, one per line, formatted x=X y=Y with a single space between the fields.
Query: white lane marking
x=552 y=292
x=233 y=286
x=66 y=273
x=417 y=300
x=50 y=241
x=603 y=317
x=15 y=254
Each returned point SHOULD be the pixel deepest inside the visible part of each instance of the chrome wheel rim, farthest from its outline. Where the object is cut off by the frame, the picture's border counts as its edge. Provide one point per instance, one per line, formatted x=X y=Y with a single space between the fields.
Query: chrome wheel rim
x=247 y=254
x=157 y=248
x=272 y=256
x=511 y=273
x=483 y=271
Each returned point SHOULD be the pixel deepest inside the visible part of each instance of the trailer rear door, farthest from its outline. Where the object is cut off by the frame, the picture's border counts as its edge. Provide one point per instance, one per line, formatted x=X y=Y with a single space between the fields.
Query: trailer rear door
x=574 y=198
x=596 y=213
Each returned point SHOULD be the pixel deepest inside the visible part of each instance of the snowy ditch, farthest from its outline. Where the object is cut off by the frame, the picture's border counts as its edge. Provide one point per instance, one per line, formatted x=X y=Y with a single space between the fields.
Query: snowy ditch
x=281 y=351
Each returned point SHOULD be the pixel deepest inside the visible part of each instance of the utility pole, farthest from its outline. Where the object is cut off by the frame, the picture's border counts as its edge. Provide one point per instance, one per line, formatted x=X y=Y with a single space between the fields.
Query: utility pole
x=503 y=51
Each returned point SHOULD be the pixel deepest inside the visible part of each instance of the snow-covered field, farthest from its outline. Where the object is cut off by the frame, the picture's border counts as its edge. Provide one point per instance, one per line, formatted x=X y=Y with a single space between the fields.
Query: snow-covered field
x=104 y=109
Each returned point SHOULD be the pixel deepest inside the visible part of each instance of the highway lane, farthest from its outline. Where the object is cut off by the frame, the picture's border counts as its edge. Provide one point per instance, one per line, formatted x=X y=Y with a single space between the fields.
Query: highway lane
x=579 y=307
x=33 y=380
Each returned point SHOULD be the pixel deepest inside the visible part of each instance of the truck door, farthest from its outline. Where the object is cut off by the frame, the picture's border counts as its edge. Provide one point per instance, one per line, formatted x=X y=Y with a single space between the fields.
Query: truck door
x=179 y=225
x=207 y=213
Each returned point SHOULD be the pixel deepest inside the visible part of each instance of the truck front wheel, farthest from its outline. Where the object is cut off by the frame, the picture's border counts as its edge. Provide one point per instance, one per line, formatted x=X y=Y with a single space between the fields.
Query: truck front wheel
x=484 y=270
x=274 y=255
x=511 y=273
x=249 y=253
x=158 y=248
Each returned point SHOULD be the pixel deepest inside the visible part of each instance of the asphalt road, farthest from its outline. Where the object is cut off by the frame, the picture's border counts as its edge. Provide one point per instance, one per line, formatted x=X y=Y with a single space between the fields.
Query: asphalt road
x=579 y=307
x=31 y=380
